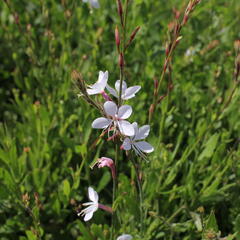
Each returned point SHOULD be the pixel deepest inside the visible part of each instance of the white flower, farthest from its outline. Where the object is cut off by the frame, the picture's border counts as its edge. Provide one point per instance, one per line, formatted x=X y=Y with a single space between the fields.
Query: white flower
x=134 y=143
x=93 y=3
x=92 y=206
x=99 y=86
x=127 y=93
x=125 y=237
x=116 y=118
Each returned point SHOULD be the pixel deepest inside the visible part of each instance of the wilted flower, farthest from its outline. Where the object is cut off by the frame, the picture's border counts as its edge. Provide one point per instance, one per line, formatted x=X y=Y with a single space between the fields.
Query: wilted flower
x=116 y=118
x=125 y=237
x=107 y=162
x=127 y=93
x=134 y=143
x=93 y=3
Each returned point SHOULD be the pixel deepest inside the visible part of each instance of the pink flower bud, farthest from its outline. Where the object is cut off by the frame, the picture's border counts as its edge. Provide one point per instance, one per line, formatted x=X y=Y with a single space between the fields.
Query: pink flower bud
x=120 y=11
x=121 y=60
x=117 y=37
x=107 y=162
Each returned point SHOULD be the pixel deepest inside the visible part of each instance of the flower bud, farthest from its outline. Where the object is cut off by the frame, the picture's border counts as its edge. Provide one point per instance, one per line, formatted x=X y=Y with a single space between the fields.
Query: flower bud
x=134 y=33
x=117 y=37
x=120 y=11
x=107 y=162
x=121 y=60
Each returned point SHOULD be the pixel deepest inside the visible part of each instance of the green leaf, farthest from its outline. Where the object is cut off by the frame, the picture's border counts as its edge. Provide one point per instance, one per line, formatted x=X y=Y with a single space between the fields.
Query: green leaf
x=66 y=188
x=211 y=222
x=209 y=147
x=105 y=179
x=30 y=235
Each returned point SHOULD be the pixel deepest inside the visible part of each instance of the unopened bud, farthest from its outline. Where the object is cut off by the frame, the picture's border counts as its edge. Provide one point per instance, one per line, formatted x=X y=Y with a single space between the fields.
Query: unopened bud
x=185 y=19
x=176 y=13
x=161 y=98
x=168 y=46
x=134 y=34
x=117 y=37
x=151 y=109
x=176 y=28
x=121 y=60
x=155 y=83
x=178 y=39
x=120 y=11
x=132 y=37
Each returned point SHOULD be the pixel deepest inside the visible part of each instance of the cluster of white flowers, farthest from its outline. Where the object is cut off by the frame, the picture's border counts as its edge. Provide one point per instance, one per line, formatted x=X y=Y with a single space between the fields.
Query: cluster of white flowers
x=115 y=118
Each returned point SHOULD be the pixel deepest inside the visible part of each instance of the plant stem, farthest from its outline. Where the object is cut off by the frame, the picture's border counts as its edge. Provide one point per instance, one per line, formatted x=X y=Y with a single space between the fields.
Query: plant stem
x=140 y=192
x=114 y=194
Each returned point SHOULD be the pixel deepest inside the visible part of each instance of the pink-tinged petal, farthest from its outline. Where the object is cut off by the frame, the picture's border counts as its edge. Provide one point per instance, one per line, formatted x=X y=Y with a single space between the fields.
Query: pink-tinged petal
x=101 y=123
x=130 y=92
x=124 y=112
x=112 y=91
x=144 y=146
x=125 y=237
x=126 y=144
x=92 y=195
x=143 y=132
x=124 y=86
x=110 y=108
x=126 y=128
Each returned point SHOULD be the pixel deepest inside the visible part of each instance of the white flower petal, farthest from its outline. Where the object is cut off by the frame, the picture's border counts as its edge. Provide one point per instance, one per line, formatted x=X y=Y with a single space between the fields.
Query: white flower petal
x=112 y=91
x=130 y=92
x=124 y=112
x=102 y=79
x=88 y=216
x=144 y=146
x=143 y=132
x=135 y=126
x=94 y=3
x=127 y=144
x=94 y=89
x=110 y=108
x=92 y=195
x=101 y=123
x=124 y=86
x=125 y=237
x=100 y=76
x=126 y=128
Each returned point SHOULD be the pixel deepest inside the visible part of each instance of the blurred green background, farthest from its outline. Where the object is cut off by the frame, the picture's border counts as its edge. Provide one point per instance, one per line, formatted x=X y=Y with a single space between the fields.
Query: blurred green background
x=193 y=176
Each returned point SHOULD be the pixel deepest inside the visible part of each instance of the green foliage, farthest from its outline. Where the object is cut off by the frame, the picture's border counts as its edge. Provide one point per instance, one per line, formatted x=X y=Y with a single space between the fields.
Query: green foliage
x=46 y=139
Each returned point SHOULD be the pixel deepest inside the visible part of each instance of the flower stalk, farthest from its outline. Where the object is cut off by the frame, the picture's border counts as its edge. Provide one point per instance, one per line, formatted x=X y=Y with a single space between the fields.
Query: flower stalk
x=176 y=37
